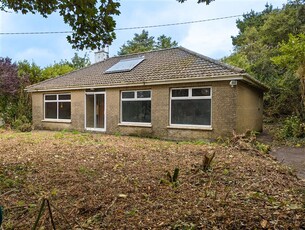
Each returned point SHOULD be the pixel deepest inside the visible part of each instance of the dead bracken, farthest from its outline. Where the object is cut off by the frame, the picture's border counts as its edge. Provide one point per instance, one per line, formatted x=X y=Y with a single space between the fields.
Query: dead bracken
x=97 y=181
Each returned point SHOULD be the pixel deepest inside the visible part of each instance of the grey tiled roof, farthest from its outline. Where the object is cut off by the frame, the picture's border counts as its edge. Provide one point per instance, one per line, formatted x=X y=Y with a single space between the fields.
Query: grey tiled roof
x=163 y=65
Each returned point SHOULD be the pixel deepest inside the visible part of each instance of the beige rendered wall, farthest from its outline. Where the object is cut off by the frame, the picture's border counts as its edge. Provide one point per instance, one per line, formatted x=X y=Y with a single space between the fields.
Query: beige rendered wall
x=249 y=108
x=113 y=115
x=223 y=113
x=233 y=108
x=77 y=112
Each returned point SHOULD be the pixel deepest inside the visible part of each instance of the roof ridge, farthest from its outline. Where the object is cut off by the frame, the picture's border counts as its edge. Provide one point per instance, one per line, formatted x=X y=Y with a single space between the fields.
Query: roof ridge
x=234 y=68
x=145 y=52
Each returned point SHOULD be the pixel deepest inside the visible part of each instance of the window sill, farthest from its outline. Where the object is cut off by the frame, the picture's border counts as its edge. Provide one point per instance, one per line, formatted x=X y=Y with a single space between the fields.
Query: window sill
x=57 y=120
x=191 y=127
x=136 y=125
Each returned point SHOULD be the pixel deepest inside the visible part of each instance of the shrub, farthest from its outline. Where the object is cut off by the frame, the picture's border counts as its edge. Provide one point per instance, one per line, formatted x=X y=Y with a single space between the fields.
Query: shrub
x=264 y=148
x=292 y=127
x=26 y=127
x=22 y=124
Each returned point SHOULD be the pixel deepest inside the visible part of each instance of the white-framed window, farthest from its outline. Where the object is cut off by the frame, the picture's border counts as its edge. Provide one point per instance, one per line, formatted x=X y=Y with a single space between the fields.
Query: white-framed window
x=57 y=106
x=191 y=106
x=136 y=106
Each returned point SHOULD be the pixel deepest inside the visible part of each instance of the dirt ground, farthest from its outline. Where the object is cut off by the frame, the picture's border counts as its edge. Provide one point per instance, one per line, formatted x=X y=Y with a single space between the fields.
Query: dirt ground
x=95 y=181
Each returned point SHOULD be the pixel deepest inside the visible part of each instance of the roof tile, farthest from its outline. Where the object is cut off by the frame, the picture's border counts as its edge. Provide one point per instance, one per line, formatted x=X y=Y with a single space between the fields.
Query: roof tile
x=168 y=64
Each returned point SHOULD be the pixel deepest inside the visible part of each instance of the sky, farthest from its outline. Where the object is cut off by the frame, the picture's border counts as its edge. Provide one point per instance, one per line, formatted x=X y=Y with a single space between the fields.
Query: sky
x=211 y=38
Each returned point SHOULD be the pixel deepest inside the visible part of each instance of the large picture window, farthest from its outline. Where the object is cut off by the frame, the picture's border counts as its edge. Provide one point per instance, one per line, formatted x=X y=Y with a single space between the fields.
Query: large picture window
x=57 y=106
x=136 y=106
x=191 y=107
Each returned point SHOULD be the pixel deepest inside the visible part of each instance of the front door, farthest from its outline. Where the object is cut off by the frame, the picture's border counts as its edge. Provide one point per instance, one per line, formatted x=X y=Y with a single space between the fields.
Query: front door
x=95 y=111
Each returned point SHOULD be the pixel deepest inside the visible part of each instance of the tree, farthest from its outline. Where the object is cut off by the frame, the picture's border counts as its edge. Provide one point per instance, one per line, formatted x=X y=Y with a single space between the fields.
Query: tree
x=78 y=62
x=143 y=42
x=9 y=80
x=55 y=70
x=199 y=1
x=30 y=70
x=164 y=42
x=91 y=21
x=140 y=43
x=292 y=56
x=257 y=43
x=9 y=87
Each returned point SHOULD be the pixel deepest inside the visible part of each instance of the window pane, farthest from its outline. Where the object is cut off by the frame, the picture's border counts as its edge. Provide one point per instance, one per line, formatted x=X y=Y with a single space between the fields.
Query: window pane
x=64 y=110
x=90 y=111
x=191 y=112
x=64 y=97
x=100 y=100
x=143 y=94
x=50 y=97
x=201 y=92
x=136 y=111
x=180 y=92
x=51 y=110
x=127 y=94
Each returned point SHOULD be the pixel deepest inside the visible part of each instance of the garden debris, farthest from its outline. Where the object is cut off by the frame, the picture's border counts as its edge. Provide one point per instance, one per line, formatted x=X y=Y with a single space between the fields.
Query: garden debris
x=248 y=142
x=98 y=181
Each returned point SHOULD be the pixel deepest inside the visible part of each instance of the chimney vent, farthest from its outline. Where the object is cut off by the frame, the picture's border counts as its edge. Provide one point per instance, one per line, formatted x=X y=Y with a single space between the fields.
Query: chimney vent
x=101 y=55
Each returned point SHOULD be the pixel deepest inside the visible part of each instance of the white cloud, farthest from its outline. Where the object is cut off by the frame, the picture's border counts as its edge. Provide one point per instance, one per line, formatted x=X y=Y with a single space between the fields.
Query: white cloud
x=213 y=40
x=209 y=38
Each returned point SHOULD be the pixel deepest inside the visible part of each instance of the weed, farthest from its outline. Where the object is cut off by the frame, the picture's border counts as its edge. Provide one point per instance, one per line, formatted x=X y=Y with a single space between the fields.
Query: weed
x=75 y=132
x=86 y=171
x=226 y=172
x=117 y=134
x=22 y=124
x=132 y=212
x=292 y=127
x=180 y=225
x=171 y=179
x=59 y=135
x=264 y=148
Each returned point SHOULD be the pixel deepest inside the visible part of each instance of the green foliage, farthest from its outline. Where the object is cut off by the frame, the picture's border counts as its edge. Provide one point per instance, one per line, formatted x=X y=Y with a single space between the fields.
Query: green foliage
x=292 y=56
x=292 y=127
x=15 y=103
x=78 y=62
x=84 y=17
x=180 y=225
x=199 y=1
x=238 y=59
x=31 y=70
x=292 y=52
x=164 y=42
x=171 y=179
x=263 y=148
x=55 y=70
x=143 y=42
x=22 y=124
x=140 y=43
x=257 y=50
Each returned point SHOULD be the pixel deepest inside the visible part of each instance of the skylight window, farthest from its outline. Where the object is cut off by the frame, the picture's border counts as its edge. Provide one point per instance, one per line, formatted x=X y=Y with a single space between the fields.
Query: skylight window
x=125 y=65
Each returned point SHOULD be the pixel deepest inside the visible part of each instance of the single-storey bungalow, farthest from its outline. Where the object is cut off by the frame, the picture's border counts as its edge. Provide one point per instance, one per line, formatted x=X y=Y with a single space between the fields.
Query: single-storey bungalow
x=172 y=93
